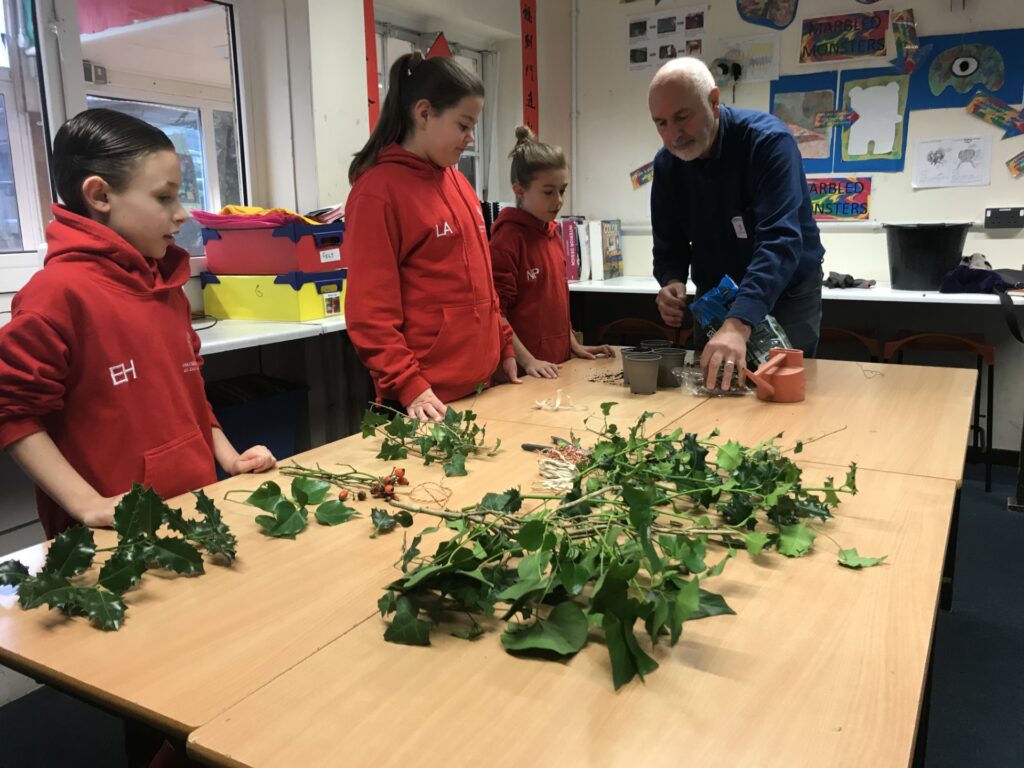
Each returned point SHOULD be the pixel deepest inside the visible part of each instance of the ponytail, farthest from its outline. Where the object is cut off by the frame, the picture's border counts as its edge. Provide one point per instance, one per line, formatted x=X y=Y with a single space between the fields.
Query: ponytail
x=439 y=80
x=530 y=157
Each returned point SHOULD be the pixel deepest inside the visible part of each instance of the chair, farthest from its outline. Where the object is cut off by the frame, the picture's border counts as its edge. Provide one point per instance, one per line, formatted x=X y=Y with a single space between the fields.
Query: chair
x=985 y=354
x=632 y=330
x=844 y=337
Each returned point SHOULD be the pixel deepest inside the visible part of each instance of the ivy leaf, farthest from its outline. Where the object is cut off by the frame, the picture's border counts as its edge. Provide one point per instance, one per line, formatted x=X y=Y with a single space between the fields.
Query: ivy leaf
x=711 y=604
x=287 y=521
x=688 y=599
x=455 y=466
x=384 y=522
x=799 y=447
x=174 y=554
x=139 y=514
x=729 y=456
x=563 y=632
x=755 y=542
x=795 y=540
x=851 y=559
x=309 y=490
x=266 y=497
x=121 y=572
x=334 y=513
x=12 y=573
x=387 y=603
x=531 y=535
x=390 y=451
x=469 y=634
x=509 y=501
x=71 y=552
x=105 y=609
x=371 y=420
x=720 y=565
x=406 y=628
x=400 y=427
x=628 y=660
x=607 y=407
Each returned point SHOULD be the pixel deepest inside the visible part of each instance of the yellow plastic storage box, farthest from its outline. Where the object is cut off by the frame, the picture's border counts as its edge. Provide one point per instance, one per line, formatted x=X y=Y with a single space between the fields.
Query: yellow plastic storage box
x=294 y=296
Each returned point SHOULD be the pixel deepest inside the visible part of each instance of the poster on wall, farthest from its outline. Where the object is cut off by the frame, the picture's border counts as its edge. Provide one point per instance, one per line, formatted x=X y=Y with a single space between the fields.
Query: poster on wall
x=1016 y=165
x=659 y=37
x=796 y=101
x=951 y=69
x=849 y=36
x=877 y=140
x=953 y=162
x=777 y=14
x=758 y=55
x=998 y=113
x=840 y=198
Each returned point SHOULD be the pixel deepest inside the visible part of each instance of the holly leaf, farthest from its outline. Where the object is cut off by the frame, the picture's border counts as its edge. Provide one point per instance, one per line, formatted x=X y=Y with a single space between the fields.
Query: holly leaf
x=287 y=521
x=105 y=609
x=266 y=497
x=174 y=554
x=851 y=478
x=755 y=542
x=563 y=632
x=406 y=628
x=729 y=456
x=851 y=559
x=455 y=466
x=44 y=589
x=795 y=540
x=71 y=552
x=121 y=572
x=334 y=513
x=139 y=514
x=12 y=573
x=211 y=531
x=309 y=490
x=384 y=522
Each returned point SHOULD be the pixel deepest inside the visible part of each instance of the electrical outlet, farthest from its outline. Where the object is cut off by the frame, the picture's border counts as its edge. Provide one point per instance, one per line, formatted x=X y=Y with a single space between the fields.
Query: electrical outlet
x=1004 y=218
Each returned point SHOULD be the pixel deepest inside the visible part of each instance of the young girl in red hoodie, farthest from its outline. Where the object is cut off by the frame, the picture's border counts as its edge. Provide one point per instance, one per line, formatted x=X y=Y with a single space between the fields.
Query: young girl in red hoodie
x=420 y=305
x=529 y=261
x=99 y=365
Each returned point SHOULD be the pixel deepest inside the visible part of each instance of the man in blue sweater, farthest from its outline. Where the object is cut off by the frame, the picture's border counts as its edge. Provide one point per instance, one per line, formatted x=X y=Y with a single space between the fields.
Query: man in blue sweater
x=730 y=198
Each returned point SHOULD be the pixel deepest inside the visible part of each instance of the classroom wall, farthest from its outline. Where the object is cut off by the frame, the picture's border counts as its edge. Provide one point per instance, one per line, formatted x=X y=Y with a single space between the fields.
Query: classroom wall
x=616 y=135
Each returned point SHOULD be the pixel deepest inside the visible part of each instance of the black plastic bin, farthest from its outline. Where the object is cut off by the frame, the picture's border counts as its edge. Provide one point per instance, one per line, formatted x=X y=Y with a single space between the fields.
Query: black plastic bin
x=921 y=254
x=258 y=410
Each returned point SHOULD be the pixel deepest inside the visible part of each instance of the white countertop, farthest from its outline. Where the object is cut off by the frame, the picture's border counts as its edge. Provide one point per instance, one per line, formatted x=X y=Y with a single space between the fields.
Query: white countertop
x=227 y=335
x=880 y=292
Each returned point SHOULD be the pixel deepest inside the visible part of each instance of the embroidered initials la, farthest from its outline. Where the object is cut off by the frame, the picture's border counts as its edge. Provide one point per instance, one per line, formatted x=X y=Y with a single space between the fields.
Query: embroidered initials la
x=444 y=232
x=122 y=373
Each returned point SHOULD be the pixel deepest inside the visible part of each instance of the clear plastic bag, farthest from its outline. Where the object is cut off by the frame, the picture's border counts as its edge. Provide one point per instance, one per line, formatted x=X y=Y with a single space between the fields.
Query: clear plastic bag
x=691 y=382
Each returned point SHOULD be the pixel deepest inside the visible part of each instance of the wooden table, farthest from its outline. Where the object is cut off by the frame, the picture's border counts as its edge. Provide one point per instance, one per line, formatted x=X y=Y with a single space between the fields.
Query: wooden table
x=820 y=666
x=191 y=647
x=896 y=418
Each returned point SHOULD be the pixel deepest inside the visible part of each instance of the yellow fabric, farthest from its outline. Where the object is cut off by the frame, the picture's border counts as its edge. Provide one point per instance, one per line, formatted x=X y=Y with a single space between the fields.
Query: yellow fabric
x=252 y=210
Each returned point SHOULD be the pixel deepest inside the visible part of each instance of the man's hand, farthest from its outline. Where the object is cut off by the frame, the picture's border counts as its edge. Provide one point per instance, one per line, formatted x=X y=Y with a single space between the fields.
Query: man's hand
x=426 y=407
x=255 y=459
x=725 y=354
x=671 y=302
x=541 y=369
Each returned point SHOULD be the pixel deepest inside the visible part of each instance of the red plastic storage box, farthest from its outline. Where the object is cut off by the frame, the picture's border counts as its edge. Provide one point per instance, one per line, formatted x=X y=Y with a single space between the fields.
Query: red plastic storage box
x=294 y=247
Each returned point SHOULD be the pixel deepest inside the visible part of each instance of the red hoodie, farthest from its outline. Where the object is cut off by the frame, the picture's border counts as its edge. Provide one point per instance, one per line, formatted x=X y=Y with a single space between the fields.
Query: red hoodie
x=420 y=305
x=101 y=355
x=529 y=275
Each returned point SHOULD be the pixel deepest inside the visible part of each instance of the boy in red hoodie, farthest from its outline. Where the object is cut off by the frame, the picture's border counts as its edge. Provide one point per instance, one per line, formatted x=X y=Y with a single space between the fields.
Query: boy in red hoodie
x=420 y=306
x=99 y=366
x=529 y=261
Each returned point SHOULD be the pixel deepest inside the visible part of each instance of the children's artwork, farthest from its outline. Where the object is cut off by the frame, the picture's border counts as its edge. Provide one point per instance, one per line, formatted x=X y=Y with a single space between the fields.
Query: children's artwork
x=908 y=47
x=797 y=101
x=952 y=162
x=642 y=175
x=840 y=198
x=758 y=55
x=997 y=113
x=850 y=36
x=960 y=65
x=777 y=14
x=1016 y=165
x=877 y=140
x=659 y=37
x=842 y=118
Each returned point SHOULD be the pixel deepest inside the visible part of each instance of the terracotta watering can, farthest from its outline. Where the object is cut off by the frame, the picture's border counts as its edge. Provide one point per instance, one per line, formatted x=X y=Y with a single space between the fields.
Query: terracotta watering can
x=782 y=379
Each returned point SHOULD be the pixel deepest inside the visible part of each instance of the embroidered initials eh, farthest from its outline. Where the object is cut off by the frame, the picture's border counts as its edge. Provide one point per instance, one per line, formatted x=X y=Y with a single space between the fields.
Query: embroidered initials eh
x=123 y=373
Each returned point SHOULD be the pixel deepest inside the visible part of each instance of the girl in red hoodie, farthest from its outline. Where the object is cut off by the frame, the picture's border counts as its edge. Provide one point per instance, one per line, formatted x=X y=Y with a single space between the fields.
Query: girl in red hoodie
x=99 y=365
x=529 y=261
x=421 y=308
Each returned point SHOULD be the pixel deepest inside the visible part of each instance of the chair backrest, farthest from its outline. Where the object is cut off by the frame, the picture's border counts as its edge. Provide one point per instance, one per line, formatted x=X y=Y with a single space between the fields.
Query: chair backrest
x=940 y=342
x=842 y=343
x=633 y=330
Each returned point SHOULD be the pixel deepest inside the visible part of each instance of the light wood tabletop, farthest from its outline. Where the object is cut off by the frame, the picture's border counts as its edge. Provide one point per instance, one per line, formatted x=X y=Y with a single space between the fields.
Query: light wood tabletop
x=821 y=666
x=895 y=418
x=192 y=646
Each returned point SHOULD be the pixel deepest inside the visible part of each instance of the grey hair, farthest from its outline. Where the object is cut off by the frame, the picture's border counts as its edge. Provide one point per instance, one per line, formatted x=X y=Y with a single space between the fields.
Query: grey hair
x=688 y=72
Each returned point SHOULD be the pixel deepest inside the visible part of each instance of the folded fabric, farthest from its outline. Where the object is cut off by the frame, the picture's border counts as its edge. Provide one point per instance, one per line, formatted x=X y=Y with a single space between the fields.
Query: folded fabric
x=247 y=217
x=964 y=279
x=328 y=215
x=839 y=280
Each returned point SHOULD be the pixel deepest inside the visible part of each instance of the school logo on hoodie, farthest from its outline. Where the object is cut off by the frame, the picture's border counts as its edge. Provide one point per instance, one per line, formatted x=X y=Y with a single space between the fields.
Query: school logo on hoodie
x=533 y=274
x=122 y=373
x=444 y=229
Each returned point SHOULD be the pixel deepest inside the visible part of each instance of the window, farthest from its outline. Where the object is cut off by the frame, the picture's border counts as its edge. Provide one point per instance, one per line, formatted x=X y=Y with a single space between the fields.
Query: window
x=394 y=42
